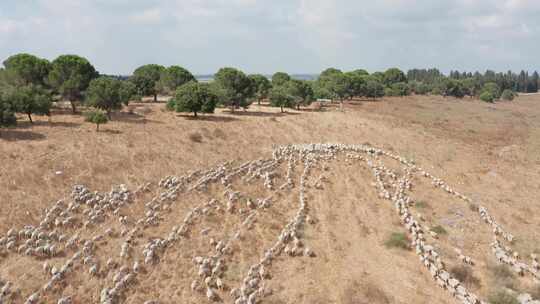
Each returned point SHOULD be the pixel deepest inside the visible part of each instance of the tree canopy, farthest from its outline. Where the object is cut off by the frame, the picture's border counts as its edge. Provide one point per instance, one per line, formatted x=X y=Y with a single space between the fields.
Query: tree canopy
x=194 y=97
x=70 y=76
x=146 y=79
x=261 y=86
x=27 y=69
x=234 y=88
x=109 y=94
x=393 y=76
x=173 y=77
x=96 y=116
x=280 y=78
x=30 y=99
x=281 y=97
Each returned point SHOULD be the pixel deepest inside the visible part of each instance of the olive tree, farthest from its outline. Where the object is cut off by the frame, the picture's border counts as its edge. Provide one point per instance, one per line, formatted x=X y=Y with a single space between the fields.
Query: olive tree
x=146 y=79
x=194 y=97
x=70 y=76
x=373 y=88
x=493 y=89
x=261 y=86
x=280 y=97
x=7 y=112
x=234 y=88
x=96 y=116
x=27 y=69
x=109 y=94
x=301 y=92
x=30 y=99
x=173 y=77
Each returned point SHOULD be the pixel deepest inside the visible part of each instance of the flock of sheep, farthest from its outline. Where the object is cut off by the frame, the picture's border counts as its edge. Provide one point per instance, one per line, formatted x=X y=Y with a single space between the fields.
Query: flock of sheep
x=67 y=240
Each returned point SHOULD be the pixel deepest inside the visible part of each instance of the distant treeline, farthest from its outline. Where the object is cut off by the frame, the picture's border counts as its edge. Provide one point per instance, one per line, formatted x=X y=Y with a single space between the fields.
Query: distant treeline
x=522 y=82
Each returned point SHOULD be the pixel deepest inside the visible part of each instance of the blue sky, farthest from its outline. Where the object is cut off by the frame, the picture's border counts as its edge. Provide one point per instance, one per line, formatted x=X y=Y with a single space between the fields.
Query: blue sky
x=296 y=36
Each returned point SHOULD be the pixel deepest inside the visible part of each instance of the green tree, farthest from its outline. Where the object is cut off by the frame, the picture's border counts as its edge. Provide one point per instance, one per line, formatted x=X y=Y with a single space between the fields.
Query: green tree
x=392 y=76
x=146 y=79
x=31 y=99
x=28 y=69
x=455 y=88
x=280 y=97
x=70 y=76
x=173 y=77
x=487 y=96
x=280 y=78
x=193 y=97
x=493 y=89
x=234 y=88
x=374 y=88
x=507 y=95
x=301 y=92
x=7 y=112
x=109 y=94
x=357 y=80
x=261 y=86
x=96 y=116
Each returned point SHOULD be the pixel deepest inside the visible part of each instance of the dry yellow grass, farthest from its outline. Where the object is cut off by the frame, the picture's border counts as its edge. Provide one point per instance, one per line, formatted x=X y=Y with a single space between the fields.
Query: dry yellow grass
x=490 y=152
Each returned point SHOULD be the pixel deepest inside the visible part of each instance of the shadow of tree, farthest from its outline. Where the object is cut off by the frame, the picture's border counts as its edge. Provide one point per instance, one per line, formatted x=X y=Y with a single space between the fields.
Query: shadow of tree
x=262 y=114
x=64 y=124
x=210 y=117
x=15 y=135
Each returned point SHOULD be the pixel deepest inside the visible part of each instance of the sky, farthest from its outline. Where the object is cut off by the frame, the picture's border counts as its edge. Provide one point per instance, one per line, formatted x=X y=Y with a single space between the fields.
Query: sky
x=294 y=36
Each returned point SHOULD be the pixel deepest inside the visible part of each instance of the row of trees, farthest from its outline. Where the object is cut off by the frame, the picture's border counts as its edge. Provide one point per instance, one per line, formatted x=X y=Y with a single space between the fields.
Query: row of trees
x=28 y=85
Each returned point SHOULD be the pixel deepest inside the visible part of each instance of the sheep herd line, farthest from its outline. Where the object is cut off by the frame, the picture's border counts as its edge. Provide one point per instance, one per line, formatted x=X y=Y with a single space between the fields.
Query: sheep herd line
x=74 y=241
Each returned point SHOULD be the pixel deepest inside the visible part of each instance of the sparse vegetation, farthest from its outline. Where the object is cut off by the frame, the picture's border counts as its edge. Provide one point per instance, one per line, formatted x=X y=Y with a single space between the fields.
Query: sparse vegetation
x=502 y=297
x=397 y=240
x=502 y=276
x=465 y=274
x=439 y=230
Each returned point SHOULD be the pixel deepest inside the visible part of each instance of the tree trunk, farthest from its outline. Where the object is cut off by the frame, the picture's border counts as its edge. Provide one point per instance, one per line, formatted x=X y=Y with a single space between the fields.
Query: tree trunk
x=30 y=117
x=155 y=97
x=232 y=108
x=195 y=112
x=109 y=115
x=73 y=108
x=259 y=101
x=97 y=127
x=281 y=109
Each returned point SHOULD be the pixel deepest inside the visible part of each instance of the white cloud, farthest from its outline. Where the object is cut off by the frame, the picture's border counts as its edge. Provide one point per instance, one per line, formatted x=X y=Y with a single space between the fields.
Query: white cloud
x=262 y=36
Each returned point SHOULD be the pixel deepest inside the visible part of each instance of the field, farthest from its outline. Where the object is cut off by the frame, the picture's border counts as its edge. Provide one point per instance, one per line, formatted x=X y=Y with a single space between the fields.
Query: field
x=490 y=153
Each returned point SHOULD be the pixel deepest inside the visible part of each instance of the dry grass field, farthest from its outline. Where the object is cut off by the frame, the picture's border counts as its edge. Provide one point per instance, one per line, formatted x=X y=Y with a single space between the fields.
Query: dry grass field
x=490 y=152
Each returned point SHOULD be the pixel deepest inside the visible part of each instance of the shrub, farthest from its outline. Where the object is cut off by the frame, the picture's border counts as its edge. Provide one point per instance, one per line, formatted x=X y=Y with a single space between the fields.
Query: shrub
x=503 y=276
x=96 y=116
x=439 y=229
x=436 y=91
x=397 y=240
x=195 y=137
x=464 y=274
x=507 y=95
x=486 y=96
x=492 y=88
x=502 y=297
x=421 y=204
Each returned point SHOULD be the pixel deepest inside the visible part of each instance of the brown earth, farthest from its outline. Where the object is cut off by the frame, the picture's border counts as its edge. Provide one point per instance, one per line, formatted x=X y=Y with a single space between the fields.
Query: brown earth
x=488 y=151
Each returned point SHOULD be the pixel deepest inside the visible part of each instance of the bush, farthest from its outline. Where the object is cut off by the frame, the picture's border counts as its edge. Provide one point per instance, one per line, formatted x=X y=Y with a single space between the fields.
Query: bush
x=507 y=95
x=439 y=229
x=492 y=88
x=96 y=116
x=503 y=276
x=486 y=96
x=397 y=240
x=464 y=274
x=502 y=297
x=436 y=91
